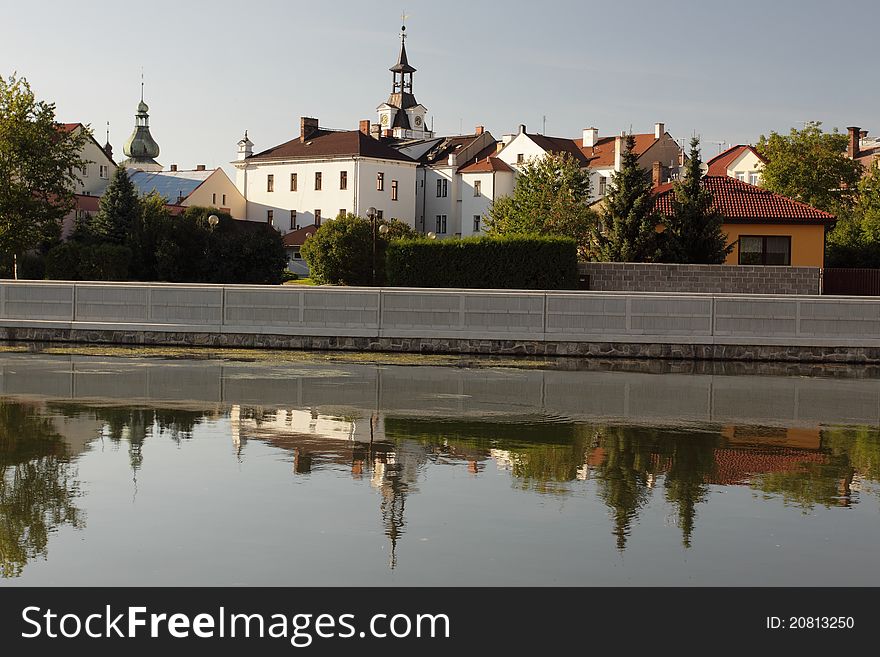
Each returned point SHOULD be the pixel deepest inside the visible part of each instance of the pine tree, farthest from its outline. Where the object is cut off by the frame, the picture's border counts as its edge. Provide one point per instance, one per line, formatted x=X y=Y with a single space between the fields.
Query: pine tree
x=120 y=209
x=627 y=231
x=694 y=233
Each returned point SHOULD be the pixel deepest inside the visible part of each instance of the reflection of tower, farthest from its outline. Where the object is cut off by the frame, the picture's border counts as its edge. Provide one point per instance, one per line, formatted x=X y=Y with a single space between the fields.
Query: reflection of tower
x=393 y=507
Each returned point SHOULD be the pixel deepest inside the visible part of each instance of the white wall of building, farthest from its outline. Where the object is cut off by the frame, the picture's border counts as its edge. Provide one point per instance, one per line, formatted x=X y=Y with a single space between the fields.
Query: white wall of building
x=95 y=176
x=359 y=195
x=522 y=147
x=747 y=167
x=434 y=206
x=493 y=185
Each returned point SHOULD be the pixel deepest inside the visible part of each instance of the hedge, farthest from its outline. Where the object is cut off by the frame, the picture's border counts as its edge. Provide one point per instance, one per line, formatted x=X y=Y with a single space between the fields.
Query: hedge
x=524 y=262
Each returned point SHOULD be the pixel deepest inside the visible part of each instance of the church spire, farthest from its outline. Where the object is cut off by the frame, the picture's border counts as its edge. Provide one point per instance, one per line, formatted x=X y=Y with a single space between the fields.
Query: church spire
x=401 y=116
x=141 y=149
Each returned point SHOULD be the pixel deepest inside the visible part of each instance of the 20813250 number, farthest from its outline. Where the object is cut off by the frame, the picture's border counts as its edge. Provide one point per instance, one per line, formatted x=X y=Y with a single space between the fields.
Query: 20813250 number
x=821 y=623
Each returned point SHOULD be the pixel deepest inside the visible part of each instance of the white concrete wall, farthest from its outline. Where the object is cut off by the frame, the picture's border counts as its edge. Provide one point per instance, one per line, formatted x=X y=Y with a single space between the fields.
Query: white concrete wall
x=91 y=180
x=523 y=145
x=444 y=392
x=746 y=164
x=429 y=313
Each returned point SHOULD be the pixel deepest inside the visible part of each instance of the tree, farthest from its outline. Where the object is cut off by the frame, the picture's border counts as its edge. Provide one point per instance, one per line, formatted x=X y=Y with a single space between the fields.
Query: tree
x=119 y=210
x=627 y=230
x=694 y=232
x=810 y=166
x=551 y=197
x=855 y=239
x=341 y=251
x=39 y=169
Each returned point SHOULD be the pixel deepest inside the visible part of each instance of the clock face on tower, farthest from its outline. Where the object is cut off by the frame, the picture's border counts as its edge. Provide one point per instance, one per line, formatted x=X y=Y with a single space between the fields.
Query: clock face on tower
x=418 y=121
x=384 y=119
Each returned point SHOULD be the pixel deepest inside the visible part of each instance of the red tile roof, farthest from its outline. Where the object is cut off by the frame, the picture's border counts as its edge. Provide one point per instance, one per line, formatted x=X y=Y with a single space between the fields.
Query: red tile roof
x=298 y=237
x=326 y=143
x=562 y=145
x=602 y=154
x=741 y=202
x=486 y=165
x=68 y=127
x=719 y=164
x=739 y=466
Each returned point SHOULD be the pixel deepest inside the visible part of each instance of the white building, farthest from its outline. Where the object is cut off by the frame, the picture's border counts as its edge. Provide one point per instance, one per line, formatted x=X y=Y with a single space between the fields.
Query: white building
x=187 y=188
x=93 y=178
x=742 y=162
x=323 y=173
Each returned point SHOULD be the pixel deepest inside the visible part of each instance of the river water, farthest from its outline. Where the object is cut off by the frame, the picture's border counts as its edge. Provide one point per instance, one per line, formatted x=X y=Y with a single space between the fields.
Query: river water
x=151 y=471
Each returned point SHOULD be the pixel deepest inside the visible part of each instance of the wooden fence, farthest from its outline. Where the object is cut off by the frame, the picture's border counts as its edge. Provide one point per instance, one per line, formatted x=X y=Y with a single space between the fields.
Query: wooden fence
x=852 y=282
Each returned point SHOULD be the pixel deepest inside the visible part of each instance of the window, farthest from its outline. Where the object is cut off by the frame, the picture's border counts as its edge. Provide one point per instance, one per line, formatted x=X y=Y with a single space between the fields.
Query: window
x=441 y=224
x=343 y=180
x=393 y=190
x=765 y=250
x=270 y=183
x=85 y=170
x=296 y=254
x=214 y=200
x=476 y=223
x=442 y=188
x=342 y=212
x=380 y=182
x=478 y=187
x=104 y=171
x=520 y=158
x=603 y=184
x=318 y=181
x=741 y=176
x=380 y=214
x=754 y=178
x=293 y=225
x=293 y=182
x=224 y=201
x=317 y=217
x=270 y=217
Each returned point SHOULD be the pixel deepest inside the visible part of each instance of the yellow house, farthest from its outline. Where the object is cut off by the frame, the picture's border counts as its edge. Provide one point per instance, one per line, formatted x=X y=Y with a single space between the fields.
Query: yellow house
x=199 y=187
x=765 y=228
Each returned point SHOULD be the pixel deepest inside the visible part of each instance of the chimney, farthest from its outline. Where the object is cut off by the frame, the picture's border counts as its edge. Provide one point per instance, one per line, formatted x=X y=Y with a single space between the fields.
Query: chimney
x=174 y=167
x=659 y=130
x=657 y=173
x=506 y=139
x=479 y=130
x=862 y=134
x=200 y=167
x=387 y=133
x=522 y=128
x=619 y=146
x=852 y=149
x=452 y=160
x=364 y=127
x=591 y=136
x=307 y=128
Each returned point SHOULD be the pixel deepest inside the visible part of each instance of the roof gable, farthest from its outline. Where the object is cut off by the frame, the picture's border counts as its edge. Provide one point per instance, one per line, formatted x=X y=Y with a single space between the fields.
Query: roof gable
x=602 y=154
x=719 y=164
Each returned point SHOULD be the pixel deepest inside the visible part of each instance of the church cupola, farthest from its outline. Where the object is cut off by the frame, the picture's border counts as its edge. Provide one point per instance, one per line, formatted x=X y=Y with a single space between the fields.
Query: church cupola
x=401 y=116
x=245 y=147
x=141 y=149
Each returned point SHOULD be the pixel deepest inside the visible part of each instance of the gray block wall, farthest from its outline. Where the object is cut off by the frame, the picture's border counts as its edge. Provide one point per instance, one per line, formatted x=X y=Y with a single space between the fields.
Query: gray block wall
x=711 y=279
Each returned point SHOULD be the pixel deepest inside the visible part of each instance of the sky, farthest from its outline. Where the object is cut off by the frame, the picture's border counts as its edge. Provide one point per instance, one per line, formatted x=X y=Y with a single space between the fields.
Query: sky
x=726 y=71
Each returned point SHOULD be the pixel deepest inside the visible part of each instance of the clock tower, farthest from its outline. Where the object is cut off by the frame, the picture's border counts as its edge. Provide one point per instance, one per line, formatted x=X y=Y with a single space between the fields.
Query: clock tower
x=402 y=116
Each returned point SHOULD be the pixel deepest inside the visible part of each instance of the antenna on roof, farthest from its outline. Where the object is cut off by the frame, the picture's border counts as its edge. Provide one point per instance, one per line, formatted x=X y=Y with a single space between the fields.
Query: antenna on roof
x=544 y=126
x=108 y=132
x=142 y=84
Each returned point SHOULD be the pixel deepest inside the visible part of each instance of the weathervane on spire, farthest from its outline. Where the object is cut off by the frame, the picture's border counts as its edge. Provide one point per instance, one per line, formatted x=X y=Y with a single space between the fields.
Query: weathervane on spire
x=403 y=18
x=142 y=84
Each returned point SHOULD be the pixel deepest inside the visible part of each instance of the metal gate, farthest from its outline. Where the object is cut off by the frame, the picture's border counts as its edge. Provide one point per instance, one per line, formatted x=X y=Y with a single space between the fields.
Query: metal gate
x=854 y=282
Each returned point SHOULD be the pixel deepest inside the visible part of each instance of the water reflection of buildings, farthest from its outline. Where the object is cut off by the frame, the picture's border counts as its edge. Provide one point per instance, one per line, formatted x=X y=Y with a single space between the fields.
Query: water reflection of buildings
x=317 y=440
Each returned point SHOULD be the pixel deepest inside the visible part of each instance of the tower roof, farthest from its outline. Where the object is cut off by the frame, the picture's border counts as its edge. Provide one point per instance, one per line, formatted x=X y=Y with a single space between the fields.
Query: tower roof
x=402 y=65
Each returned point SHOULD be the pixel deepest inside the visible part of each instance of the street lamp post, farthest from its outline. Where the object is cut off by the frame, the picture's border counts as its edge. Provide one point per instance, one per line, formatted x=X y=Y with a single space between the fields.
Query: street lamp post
x=376 y=230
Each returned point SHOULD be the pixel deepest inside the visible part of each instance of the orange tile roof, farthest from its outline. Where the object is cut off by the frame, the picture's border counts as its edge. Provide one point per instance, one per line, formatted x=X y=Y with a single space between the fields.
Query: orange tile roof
x=561 y=145
x=602 y=154
x=741 y=202
x=719 y=164
x=486 y=165
x=299 y=236
x=326 y=143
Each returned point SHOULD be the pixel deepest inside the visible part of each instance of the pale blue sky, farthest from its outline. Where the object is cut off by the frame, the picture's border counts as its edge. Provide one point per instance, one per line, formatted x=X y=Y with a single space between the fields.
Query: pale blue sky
x=728 y=71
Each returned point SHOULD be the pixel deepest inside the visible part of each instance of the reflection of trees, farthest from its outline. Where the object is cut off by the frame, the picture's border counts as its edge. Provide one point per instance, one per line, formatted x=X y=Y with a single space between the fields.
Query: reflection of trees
x=37 y=486
x=135 y=425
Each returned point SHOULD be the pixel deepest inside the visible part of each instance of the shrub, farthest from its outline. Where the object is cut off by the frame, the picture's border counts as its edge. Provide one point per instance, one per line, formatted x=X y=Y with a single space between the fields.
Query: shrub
x=525 y=262
x=74 y=261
